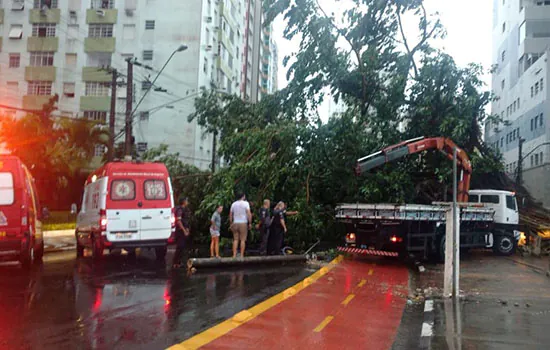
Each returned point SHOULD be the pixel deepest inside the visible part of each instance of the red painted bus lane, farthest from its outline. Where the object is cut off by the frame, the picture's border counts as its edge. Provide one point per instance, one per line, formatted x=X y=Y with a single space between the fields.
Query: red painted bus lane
x=356 y=305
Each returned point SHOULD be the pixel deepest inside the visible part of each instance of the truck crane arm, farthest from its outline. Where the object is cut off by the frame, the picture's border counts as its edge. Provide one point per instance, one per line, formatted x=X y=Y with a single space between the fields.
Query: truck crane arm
x=445 y=145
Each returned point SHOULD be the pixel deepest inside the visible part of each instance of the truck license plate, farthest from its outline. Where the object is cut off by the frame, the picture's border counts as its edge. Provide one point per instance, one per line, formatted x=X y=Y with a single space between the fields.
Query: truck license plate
x=123 y=235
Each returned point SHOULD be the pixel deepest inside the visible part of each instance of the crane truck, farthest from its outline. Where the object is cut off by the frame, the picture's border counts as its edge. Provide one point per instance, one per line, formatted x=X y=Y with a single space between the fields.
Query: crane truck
x=488 y=218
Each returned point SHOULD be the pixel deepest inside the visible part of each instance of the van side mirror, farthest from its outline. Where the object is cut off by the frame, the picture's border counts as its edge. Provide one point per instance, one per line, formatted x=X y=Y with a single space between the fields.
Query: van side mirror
x=45 y=213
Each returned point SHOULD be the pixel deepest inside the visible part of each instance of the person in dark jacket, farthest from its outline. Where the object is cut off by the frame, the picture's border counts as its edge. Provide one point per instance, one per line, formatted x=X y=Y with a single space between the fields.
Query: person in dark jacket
x=183 y=230
x=265 y=223
x=277 y=230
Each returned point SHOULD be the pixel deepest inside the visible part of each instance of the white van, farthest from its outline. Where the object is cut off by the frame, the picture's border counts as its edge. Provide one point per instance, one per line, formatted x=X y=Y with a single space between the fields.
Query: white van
x=126 y=205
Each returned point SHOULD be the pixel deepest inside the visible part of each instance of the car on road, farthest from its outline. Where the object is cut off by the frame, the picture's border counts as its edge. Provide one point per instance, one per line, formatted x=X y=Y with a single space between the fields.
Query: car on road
x=126 y=205
x=20 y=214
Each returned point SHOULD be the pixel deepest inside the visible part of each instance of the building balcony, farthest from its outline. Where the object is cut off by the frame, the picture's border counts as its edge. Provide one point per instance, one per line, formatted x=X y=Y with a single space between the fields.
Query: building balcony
x=47 y=16
x=35 y=102
x=95 y=103
x=35 y=43
x=39 y=73
x=99 y=44
x=101 y=16
x=533 y=45
x=1 y=16
x=225 y=68
x=226 y=12
x=534 y=12
x=95 y=74
x=226 y=42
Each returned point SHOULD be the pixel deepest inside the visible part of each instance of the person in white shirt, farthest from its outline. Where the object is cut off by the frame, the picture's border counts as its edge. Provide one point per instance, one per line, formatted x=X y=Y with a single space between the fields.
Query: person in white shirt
x=240 y=218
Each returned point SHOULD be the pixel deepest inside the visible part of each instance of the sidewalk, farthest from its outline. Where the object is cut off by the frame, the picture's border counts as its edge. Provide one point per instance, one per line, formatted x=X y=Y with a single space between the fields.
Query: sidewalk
x=506 y=304
x=55 y=241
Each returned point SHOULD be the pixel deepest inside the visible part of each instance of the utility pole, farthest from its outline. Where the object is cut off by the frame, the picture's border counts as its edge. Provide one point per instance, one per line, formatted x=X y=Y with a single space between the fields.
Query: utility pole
x=112 y=116
x=520 y=160
x=452 y=241
x=129 y=99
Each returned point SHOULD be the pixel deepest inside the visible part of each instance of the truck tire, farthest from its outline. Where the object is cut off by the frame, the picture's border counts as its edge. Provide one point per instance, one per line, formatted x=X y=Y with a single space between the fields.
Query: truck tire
x=504 y=245
x=97 y=249
x=160 y=253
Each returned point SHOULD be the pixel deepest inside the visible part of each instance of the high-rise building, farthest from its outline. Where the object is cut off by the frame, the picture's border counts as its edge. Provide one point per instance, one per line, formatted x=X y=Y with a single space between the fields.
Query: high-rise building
x=66 y=47
x=260 y=56
x=521 y=43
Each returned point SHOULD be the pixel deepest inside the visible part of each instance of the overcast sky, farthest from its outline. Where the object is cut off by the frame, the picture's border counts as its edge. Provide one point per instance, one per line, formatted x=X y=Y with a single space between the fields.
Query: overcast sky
x=468 y=24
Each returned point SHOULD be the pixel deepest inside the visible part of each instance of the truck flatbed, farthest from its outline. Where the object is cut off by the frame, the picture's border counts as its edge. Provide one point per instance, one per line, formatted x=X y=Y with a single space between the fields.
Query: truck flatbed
x=409 y=212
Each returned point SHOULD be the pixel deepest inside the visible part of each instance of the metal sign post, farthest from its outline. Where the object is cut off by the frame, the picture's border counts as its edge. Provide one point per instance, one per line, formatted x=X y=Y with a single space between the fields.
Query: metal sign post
x=452 y=241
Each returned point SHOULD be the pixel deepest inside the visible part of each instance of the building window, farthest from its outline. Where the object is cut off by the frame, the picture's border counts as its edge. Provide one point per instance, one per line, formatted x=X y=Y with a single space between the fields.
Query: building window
x=531 y=124
x=205 y=65
x=43 y=30
x=508 y=111
x=144 y=116
x=98 y=116
x=148 y=55
x=503 y=83
x=536 y=159
x=100 y=31
x=41 y=59
x=42 y=88
x=540 y=119
x=149 y=25
x=518 y=104
x=145 y=85
x=142 y=146
x=94 y=88
x=103 y=4
x=68 y=90
x=15 y=60
x=532 y=91
x=537 y=88
x=39 y=4
x=70 y=59
x=541 y=84
x=99 y=150
x=503 y=27
x=540 y=158
x=129 y=32
x=16 y=31
x=532 y=160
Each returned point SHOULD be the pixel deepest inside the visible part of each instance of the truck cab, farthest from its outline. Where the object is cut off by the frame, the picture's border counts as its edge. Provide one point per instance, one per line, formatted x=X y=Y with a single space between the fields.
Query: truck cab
x=504 y=204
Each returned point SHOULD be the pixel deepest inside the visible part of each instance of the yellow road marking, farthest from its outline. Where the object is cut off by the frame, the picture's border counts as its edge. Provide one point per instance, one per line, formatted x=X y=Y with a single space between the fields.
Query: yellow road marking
x=371 y=271
x=348 y=299
x=362 y=283
x=245 y=316
x=323 y=324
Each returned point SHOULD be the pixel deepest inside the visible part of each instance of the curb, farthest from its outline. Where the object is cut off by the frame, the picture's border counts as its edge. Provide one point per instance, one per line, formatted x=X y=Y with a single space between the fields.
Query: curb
x=535 y=267
x=427 y=325
x=60 y=233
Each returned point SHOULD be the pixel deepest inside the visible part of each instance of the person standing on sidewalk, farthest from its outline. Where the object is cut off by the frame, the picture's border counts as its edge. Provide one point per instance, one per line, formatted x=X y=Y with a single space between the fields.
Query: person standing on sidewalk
x=240 y=218
x=277 y=230
x=265 y=223
x=183 y=230
x=215 y=225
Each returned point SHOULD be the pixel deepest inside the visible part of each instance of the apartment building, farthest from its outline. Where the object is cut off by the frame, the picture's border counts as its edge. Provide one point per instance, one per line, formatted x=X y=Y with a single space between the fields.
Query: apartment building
x=260 y=55
x=69 y=48
x=521 y=48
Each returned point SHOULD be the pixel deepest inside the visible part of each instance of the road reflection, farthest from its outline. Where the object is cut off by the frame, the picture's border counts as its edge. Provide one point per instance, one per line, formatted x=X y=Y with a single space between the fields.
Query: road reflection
x=124 y=303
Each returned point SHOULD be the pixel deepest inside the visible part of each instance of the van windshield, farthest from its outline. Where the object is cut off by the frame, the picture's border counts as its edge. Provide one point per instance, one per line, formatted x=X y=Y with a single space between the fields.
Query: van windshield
x=6 y=188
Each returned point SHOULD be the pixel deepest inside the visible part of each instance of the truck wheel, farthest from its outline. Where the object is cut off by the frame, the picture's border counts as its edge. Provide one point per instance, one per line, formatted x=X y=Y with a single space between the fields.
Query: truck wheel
x=97 y=249
x=39 y=253
x=504 y=245
x=160 y=253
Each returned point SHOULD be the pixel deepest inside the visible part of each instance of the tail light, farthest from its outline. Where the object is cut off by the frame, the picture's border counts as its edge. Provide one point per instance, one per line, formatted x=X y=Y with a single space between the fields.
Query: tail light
x=350 y=238
x=103 y=220
x=173 y=219
x=24 y=219
x=395 y=239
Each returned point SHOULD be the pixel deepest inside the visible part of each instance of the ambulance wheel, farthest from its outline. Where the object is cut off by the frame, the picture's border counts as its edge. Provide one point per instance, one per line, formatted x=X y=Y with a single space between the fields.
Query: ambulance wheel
x=160 y=253
x=97 y=249
x=27 y=257
x=39 y=252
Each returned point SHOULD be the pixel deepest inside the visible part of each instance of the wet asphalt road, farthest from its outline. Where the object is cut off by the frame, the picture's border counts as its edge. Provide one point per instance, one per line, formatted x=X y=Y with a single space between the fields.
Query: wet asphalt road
x=121 y=303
